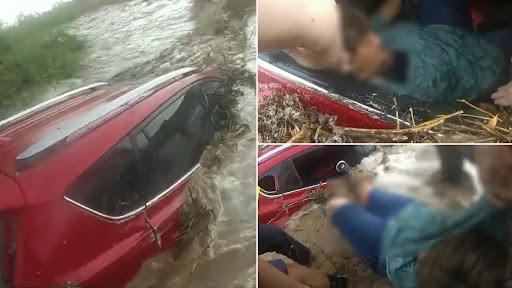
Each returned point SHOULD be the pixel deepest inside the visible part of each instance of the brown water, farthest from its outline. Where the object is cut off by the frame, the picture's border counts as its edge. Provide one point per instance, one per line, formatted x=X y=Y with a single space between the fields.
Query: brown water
x=139 y=40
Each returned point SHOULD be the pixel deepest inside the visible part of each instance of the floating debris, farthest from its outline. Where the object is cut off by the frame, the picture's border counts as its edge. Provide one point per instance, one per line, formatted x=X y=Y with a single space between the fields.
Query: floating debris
x=283 y=119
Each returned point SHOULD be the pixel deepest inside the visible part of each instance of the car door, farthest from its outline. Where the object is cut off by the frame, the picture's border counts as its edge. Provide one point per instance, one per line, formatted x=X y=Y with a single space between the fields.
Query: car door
x=170 y=145
x=95 y=236
x=270 y=201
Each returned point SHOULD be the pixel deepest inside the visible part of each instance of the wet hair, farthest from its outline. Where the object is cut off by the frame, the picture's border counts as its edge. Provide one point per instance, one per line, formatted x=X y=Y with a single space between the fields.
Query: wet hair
x=471 y=260
x=367 y=6
x=355 y=26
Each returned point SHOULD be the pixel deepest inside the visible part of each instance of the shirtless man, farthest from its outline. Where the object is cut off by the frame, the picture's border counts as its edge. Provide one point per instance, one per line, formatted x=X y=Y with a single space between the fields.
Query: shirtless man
x=437 y=61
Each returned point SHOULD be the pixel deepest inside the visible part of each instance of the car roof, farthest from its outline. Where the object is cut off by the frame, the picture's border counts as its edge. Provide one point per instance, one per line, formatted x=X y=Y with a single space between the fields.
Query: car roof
x=30 y=133
x=271 y=152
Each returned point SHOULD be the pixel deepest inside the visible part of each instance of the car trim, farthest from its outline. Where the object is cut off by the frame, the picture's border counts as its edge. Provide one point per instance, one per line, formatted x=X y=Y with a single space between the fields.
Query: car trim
x=273 y=152
x=82 y=122
x=276 y=70
x=147 y=204
x=54 y=100
x=290 y=192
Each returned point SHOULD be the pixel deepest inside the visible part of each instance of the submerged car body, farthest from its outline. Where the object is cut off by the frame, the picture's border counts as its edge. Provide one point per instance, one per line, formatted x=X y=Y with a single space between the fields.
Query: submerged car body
x=355 y=104
x=289 y=174
x=93 y=181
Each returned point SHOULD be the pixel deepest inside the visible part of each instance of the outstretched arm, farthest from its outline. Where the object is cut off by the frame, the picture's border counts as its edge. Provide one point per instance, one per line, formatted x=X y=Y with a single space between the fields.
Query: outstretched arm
x=270 y=277
x=286 y=24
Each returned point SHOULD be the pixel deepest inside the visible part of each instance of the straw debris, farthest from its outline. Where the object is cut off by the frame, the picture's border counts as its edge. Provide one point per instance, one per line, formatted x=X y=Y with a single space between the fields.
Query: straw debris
x=283 y=119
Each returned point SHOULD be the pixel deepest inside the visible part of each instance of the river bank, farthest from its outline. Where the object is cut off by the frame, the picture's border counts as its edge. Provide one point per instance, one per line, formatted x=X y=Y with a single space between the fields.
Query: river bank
x=37 y=51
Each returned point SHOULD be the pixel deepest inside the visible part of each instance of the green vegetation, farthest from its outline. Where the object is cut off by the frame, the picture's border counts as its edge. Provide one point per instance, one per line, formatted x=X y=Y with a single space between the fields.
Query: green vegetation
x=38 y=51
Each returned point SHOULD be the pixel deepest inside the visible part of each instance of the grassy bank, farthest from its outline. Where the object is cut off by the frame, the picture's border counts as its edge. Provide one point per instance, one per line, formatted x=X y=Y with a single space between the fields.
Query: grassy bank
x=37 y=51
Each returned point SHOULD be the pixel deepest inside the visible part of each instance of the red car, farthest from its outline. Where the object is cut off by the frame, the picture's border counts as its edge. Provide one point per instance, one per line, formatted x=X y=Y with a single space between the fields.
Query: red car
x=356 y=104
x=92 y=181
x=288 y=174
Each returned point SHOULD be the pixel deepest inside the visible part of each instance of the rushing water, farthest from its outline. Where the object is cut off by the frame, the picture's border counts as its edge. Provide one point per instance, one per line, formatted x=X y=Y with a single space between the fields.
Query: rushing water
x=138 y=40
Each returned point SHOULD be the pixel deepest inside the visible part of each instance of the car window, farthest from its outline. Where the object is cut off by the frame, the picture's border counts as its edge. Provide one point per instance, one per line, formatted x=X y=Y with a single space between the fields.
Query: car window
x=269 y=181
x=155 y=125
x=317 y=164
x=110 y=186
x=291 y=180
x=154 y=157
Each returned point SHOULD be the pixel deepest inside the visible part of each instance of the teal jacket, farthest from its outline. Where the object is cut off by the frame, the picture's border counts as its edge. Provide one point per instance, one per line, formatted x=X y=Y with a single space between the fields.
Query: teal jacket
x=418 y=227
x=445 y=63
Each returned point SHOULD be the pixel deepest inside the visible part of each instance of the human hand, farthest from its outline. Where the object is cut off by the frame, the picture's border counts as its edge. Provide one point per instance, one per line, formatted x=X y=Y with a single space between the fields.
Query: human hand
x=503 y=96
x=494 y=164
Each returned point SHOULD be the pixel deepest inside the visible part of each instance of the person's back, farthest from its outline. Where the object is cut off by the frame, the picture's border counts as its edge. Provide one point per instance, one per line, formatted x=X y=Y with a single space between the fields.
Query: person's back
x=419 y=227
x=468 y=260
x=445 y=63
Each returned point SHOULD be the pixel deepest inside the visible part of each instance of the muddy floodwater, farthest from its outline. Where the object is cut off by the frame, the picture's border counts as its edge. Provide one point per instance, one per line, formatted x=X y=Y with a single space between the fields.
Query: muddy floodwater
x=403 y=169
x=139 y=40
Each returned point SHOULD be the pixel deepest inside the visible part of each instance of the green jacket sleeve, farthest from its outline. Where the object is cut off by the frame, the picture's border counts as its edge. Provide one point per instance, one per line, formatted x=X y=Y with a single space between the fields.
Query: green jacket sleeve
x=419 y=227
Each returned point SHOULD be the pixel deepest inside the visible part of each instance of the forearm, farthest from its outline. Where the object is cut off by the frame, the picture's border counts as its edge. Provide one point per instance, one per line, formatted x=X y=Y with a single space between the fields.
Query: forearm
x=270 y=277
x=284 y=24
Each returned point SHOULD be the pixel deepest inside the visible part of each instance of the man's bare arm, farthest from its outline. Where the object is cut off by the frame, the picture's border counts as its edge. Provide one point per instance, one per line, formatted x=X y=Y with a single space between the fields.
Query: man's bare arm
x=270 y=277
x=284 y=24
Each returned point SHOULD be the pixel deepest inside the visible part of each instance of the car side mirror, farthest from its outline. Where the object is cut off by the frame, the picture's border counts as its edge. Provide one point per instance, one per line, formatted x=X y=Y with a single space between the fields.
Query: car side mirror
x=343 y=167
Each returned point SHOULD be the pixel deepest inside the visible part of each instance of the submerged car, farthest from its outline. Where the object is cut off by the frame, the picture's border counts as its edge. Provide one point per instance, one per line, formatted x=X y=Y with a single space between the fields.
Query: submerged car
x=289 y=174
x=92 y=182
x=354 y=103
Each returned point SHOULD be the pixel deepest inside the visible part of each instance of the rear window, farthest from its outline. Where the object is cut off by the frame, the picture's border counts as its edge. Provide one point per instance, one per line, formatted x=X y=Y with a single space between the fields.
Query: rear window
x=156 y=155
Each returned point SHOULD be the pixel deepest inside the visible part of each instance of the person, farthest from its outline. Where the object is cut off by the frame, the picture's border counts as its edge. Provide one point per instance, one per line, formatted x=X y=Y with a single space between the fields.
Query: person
x=271 y=277
x=295 y=275
x=273 y=239
x=437 y=62
x=394 y=233
x=503 y=96
x=482 y=260
x=291 y=274
x=301 y=25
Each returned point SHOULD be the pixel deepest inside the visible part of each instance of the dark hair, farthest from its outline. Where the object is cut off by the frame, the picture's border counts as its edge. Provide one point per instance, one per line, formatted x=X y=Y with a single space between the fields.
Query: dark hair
x=355 y=26
x=471 y=260
x=367 y=6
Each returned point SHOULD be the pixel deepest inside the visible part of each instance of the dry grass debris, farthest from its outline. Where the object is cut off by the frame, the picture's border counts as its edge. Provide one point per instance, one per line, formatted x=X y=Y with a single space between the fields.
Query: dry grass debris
x=283 y=119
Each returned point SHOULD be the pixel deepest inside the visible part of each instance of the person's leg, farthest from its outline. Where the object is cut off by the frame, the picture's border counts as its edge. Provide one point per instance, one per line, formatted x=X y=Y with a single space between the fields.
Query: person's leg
x=273 y=239
x=385 y=204
x=453 y=13
x=452 y=159
x=361 y=229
